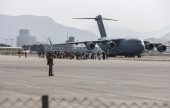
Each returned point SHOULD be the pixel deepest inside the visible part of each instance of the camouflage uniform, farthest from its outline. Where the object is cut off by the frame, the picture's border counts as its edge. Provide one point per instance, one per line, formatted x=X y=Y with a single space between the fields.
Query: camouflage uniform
x=50 y=63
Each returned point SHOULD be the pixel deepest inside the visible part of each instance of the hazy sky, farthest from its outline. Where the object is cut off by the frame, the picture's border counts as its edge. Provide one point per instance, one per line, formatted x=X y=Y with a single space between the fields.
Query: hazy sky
x=142 y=15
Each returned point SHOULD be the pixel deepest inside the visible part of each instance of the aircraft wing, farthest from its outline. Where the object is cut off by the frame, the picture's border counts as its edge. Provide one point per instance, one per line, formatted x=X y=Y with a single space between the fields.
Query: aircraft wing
x=84 y=42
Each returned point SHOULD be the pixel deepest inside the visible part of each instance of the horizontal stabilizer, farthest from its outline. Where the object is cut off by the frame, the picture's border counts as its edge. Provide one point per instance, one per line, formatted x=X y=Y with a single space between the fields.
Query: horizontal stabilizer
x=83 y=18
x=97 y=18
x=110 y=19
x=100 y=24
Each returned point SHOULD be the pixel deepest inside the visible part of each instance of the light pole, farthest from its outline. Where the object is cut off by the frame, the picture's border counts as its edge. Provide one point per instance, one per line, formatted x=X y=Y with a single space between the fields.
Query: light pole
x=11 y=42
x=6 y=41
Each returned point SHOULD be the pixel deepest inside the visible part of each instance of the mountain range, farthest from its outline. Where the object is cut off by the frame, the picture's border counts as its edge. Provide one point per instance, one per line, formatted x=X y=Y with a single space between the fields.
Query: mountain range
x=40 y=26
x=43 y=27
x=117 y=32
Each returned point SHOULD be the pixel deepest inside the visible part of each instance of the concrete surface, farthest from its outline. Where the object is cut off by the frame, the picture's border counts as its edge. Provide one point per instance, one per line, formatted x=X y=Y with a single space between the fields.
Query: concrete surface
x=118 y=80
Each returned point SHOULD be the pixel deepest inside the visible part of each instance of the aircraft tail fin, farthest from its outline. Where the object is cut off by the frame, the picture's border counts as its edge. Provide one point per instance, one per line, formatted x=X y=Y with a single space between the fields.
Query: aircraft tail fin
x=50 y=41
x=50 y=44
x=100 y=24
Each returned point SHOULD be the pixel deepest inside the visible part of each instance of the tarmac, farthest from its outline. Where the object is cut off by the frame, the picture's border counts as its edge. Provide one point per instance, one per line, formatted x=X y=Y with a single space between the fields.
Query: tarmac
x=114 y=79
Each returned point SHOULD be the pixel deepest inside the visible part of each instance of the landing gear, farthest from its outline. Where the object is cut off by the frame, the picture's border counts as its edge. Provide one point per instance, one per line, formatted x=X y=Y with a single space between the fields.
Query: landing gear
x=114 y=55
x=132 y=56
x=129 y=56
x=139 y=56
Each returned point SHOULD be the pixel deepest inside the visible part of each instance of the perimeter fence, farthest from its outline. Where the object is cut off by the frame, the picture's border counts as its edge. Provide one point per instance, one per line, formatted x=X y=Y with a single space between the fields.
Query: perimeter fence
x=46 y=102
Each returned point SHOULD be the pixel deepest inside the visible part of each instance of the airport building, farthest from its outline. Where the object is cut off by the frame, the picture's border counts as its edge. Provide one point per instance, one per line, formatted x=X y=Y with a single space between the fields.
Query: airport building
x=10 y=50
x=25 y=38
x=62 y=47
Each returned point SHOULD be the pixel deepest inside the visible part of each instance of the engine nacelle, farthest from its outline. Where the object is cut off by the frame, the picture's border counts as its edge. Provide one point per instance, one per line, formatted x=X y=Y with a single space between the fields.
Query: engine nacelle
x=149 y=46
x=90 y=45
x=161 y=48
x=110 y=45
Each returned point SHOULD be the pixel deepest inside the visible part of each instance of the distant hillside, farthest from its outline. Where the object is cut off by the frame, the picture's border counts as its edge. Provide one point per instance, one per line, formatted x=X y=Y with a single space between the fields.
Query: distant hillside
x=41 y=27
x=118 y=32
x=166 y=37
x=155 y=40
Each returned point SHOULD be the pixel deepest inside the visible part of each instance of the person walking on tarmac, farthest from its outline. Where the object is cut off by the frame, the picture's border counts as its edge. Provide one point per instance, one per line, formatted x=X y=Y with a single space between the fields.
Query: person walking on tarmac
x=50 y=63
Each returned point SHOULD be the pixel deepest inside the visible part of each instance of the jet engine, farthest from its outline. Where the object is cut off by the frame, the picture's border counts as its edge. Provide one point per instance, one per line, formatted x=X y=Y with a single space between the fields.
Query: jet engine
x=110 y=45
x=149 y=46
x=90 y=45
x=161 y=48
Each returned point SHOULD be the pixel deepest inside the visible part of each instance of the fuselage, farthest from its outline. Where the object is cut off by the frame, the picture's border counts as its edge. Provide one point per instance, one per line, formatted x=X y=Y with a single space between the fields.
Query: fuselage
x=124 y=47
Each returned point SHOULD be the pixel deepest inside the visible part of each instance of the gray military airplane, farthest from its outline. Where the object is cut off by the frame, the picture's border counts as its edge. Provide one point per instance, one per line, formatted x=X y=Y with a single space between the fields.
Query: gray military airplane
x=123 y=47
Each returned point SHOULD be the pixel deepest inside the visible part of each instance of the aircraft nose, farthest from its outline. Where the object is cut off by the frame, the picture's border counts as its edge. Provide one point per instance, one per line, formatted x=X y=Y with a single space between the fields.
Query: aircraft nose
x=141 y=47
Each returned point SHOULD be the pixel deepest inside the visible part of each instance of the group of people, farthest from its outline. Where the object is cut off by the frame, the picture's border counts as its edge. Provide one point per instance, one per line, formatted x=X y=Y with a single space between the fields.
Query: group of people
x=20 y=53
x=70 y=55
x=41 y=54
x=84 y=55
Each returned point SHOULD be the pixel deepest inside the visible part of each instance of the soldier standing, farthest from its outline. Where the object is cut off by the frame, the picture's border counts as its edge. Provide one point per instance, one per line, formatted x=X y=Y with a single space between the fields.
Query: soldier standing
x=25 y=54
x=104 y=55
x=98 y=55
x=19 y=53
x=50 y=63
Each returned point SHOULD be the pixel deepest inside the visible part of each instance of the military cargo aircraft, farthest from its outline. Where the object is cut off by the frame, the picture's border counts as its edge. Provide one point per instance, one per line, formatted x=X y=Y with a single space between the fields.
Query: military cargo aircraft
x=119 y=47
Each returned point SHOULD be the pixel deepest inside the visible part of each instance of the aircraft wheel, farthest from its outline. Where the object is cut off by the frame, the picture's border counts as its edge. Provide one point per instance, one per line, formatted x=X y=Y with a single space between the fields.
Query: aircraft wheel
x=114 y=55
x=139 y=56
